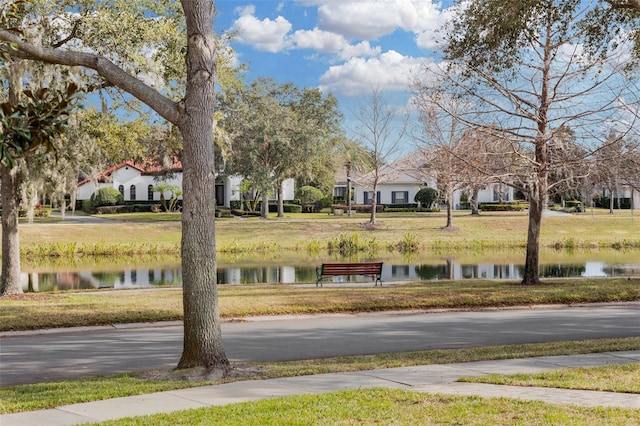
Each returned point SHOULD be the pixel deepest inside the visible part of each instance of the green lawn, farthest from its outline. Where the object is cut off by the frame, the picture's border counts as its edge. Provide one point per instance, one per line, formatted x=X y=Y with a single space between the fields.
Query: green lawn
x=312 y=232
x=391 y=407
x=48 y=395
x=617 y=378
x=43 y=310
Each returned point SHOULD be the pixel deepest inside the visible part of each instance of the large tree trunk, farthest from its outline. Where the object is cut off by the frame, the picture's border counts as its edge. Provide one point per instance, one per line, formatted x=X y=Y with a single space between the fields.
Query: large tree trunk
x=30 y=200
x=532 y=261
x=374 y=204
x=280 y=200
x=203 y=345
x=537 y=200
x=611 y=200
x=10 y=182
x=264 y=206
x=449 y=198
x=10 y=239
x=538 y=195
x=475 y=211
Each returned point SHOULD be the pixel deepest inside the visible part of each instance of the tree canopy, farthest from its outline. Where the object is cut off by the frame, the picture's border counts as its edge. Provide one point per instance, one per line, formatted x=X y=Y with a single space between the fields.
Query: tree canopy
x=523 y=71
x=127 y=60
x=277 y=131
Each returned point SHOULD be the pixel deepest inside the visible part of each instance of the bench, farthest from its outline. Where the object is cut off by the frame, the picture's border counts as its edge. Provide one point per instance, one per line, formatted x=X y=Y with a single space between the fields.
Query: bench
x=373 y=269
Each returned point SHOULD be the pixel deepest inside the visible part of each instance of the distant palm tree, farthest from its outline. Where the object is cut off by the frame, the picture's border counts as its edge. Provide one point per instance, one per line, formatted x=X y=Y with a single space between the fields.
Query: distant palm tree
x=171 y=204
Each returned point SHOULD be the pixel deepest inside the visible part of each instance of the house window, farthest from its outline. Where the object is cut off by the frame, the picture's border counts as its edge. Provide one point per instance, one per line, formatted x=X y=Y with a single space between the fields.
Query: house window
x=132 y=192
x=400 y=197
x=121 y=189
x=150 y=192
x=368 y=197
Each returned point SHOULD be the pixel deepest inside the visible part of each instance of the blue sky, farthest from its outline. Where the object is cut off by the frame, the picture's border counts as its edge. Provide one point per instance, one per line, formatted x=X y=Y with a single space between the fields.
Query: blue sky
x=344 y=47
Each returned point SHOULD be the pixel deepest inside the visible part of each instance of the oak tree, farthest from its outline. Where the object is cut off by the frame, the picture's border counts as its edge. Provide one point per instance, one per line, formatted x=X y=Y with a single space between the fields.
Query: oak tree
x=115 y=63
x=522 y=67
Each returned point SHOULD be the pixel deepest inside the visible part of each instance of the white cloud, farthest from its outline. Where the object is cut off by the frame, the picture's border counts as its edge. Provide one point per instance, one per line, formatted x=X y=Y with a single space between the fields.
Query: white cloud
x=369 y=20
x=361 y=49
x=391 y=71
x=328 y=42
x=267 y=34
x=339 y=22
x=275 y=36
x=321 y=41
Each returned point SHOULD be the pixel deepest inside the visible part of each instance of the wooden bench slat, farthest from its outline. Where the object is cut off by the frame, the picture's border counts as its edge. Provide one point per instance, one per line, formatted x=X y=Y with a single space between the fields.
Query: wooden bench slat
x=350 y=268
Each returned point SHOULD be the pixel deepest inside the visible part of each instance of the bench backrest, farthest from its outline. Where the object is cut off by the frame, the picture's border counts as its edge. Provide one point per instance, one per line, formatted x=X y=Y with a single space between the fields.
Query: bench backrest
x=362 y=268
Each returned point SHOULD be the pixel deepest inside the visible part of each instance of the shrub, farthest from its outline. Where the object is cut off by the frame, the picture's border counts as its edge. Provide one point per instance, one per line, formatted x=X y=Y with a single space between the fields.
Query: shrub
x=222 y=212
x=408 y=206
x=426 y=196
x=310 y=196
x=398 y=209
x=115 y=209
x=238 y=212
x=504 y=207
x=618 y=203
x=359 y=208
x=286 y=207
x=292 y=208
x=106 y=197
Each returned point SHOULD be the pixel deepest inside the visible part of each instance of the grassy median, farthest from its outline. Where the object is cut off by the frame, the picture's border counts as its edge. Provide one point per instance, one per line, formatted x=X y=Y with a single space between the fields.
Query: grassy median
x=51 y=310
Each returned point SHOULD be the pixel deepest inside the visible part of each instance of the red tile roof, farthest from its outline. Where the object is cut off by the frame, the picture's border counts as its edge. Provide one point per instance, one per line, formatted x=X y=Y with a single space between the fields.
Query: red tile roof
x=146 y=168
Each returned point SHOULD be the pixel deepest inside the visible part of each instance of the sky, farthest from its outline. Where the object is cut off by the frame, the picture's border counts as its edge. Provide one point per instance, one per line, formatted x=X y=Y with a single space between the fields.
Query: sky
x=347 y=48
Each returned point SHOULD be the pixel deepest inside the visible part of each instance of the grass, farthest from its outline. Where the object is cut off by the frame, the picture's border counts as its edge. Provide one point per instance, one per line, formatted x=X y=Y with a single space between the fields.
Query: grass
x=48 y=395
x=313 y=232
x=385 y=406
x=616 y=378
x=35 y=311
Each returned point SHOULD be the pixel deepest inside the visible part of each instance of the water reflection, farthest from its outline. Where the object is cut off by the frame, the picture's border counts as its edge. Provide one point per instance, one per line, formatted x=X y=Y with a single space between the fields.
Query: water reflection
x=84 y=280
x=449 y=269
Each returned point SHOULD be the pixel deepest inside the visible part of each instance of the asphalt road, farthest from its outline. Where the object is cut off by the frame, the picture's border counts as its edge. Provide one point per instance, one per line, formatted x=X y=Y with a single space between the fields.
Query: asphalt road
x=30 y=358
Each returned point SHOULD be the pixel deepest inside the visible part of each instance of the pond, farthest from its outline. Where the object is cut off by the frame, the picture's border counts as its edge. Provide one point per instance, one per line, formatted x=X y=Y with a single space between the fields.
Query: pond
x=300 y=268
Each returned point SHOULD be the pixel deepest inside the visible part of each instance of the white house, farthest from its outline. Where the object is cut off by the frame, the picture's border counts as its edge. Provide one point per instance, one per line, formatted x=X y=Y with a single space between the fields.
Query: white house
x=136 y=182
x=625 y=190
x=400 y=181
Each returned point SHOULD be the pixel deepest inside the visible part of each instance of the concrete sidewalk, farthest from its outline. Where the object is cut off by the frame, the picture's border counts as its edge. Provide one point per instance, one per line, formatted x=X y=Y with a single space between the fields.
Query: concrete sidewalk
x=429 y=378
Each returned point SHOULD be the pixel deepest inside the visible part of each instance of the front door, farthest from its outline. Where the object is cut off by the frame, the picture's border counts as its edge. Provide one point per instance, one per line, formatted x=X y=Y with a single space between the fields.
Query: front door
x=220 y=201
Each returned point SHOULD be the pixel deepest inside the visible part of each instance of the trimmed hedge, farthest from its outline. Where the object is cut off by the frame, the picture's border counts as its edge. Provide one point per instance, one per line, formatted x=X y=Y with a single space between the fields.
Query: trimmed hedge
x=129 y=208
x=604 y=202
x=358 y=208
x=222 y=212
x=411 y=210
x=401 y=206
x=504 y=207
x=238 y=212
x=288 y=208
